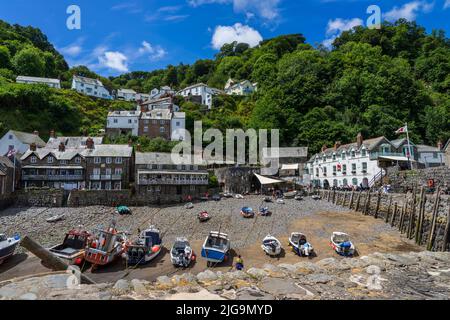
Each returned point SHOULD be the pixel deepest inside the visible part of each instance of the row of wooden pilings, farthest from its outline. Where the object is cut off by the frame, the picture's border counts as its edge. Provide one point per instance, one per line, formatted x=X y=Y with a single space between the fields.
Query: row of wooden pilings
x=408 y=216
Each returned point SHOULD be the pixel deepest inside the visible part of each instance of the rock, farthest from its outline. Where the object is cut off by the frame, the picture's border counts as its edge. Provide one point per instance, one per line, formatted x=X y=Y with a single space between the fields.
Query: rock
x=288 y=267
x=122 y=285
x=28 y=296
x=277 y=287
x=184 y=279
x=200 y=295
x=238 y=274
x=206 y=276
x=229 y=294
x=10 y=291
x=306 y=267
x=251 y=293
x=327 y=263
x=257 y=273
x=164 y=281
x=319 y=278
x=138 y=287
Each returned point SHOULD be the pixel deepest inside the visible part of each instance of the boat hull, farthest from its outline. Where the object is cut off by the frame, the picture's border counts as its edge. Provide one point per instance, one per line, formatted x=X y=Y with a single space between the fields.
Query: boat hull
x=141 y=260
x=101 y=258
x=212 y=255
x=7 y=252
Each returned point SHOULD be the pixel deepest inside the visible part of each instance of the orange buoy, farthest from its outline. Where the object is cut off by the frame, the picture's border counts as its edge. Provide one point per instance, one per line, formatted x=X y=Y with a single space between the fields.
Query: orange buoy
x=155 y=249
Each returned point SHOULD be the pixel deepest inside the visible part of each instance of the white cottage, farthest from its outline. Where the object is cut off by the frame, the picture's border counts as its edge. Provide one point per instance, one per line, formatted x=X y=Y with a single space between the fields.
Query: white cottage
x=52 y=83
x=123 y=122
x=200 y=93
x=90 y=87
x=19 y=141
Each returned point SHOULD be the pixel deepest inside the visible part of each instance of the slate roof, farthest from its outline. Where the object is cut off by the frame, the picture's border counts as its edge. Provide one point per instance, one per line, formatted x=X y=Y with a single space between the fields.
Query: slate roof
x=143 y=158
x=88 y=80
x=28 y=138
x=71 y=142
x=38 y=79
x=109 y=150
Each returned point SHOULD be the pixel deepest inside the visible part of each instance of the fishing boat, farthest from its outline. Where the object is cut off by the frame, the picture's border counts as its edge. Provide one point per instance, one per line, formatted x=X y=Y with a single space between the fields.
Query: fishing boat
x=146 y=248
x=7 y=246
x=315 y=197
x=300 y=245
x=106 y=246
x=216 y=248
x=55 y=218
x=247 y=212
x=123 y=210
x=340 y=242
x=73 y=248
x=189 y=205
x=203 y=216
x=264 y=211
x=271 y=245
x=239 y=196
x=280 y=201
x=290 y=195
x=182 y=254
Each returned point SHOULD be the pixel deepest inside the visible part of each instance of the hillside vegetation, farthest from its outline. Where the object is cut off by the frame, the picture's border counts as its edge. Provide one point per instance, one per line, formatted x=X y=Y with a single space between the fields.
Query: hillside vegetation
x=371 y=81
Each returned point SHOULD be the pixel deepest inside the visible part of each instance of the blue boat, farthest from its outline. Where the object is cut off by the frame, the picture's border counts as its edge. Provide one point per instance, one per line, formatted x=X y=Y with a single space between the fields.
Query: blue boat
x=146 y=248
x=216 y=247
x=247 y=212
x=7 y=246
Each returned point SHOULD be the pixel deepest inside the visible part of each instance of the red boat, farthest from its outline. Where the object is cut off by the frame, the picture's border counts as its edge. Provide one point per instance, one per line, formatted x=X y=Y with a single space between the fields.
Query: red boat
x=106 y=247
x=203 y=216
x=73 y=248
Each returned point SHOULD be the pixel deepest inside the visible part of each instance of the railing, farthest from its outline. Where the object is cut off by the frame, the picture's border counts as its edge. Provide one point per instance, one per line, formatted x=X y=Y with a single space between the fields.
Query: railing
x=376 y=155
x=52 y=177
x=105 y=177
x=172 y=182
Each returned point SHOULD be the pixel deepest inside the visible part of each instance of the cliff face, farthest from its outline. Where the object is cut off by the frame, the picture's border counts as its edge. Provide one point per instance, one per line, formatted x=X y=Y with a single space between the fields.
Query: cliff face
x=423 y=275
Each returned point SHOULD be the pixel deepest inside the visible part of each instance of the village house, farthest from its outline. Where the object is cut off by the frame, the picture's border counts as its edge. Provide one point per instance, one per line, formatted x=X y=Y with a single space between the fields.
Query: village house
x=6 y=176
x=19 y=141
x=240 y=88
x=163 y=92
x=161 y=103
x=157 y=174
x=123 y=123
x=52 y=83
x=70 y=142
x=108 y=167
x=291 y=163
x=90 y=87
x=430 y=156
x=446 y=151
x=155 y=123
x=361 y=163
x=126 y=94
x=60 y=168
x=200 y=93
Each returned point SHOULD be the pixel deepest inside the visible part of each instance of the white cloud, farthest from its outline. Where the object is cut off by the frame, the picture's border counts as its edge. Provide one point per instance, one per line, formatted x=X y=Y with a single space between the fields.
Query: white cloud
x=409 y=10
x=71 y=50
x=153 y=52
x=267 y=9
x=447 y=4
x=237 y=32
x=337 y=26
x=114 y=60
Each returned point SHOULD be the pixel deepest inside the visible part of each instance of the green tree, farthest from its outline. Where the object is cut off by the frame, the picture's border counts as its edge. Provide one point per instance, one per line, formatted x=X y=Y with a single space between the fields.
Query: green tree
x=5 y=57
x=29 y=62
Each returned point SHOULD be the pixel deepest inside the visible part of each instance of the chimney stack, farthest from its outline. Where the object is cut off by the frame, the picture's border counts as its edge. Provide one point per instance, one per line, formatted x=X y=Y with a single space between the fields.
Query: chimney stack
x=440 y=145
x=90 y=143
x=62 y=147
x=33 y=146
x=52 y=134
x=143 y=108
x=359 y=140
x=138 y=147
x=36 y=133
x=130 y=143
x=337 y=144
x=324 y=147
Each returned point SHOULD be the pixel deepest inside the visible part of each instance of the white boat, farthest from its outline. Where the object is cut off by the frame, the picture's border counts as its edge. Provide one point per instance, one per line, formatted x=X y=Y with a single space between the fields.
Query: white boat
x=290 y=194
x=271 y=245
x=341 y=243
x=55 y=218
x=7 y=246
x=315 y=197
x=239 y=196
x=216 y=248
x=299 y=244
x=280 y=201
x=189 y=205
x=181 y=253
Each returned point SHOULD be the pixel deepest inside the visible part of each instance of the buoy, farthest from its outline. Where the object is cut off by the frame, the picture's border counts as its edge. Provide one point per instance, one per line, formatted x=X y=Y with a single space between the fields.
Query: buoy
x=78 y=261
x=155 y=249
x=193 y=257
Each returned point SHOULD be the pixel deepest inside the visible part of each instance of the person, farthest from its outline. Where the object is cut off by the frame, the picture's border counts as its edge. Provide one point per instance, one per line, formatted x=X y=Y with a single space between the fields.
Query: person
x=239 y=263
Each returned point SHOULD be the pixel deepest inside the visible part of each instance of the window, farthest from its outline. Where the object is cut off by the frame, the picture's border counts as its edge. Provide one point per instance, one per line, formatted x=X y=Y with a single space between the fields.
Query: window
x=117 y=185
x=118 y=171
x=108 y=160
x=130 y=121
x=355 y=181
x=343 y=155
x=77 y=160
x=145 y=129
x=325 y=171
x=353 y=153
x=50 y=159
x=177 y=123
x=108 y=185
x=345 y=182
x=317 y=172
x=353 y=167
x=363 y=152
x=334 y=156
x=118 y=160
x=96 y=171
x=364 y=167
x=108 y=171
x=97 y=160
x=162 y=129
x=33 y=159
x=344 y=169
x=10 y=137
x=63 y=162
x=334 y=170
x=115 y=120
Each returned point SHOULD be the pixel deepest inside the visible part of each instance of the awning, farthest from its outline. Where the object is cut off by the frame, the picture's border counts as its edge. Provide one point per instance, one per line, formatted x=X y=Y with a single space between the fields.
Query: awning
x=290 y=166
x=395 y=158
x=266 y=180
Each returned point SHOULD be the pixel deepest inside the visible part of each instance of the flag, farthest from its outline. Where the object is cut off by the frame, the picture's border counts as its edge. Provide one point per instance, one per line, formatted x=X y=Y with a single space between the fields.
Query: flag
x=402 y=130
x=11 y=153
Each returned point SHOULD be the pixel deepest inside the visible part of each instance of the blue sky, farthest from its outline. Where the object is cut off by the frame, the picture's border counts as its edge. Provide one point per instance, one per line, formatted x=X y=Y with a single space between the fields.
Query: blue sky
x=117 y=36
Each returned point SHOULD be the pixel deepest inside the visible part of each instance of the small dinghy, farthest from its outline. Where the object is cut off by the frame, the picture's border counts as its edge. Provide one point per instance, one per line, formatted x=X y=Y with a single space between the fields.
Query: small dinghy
x=271 y=245
x=280 y=201
x=315 y=197
x=106 y=246
x=182 y=254
x=55 y=218
x=300 y=245
x=290 y=195
x=216 y=248
x=189 y=205
x=340 y=242
x=267 y=199
x=7 y=246
x=228 y=195
x=123 y=210
x=264 y=211
x=73 y=248
x=298 y=198
x=247 y=212
x=239 y=196
x=146 y=248
x=203 y=216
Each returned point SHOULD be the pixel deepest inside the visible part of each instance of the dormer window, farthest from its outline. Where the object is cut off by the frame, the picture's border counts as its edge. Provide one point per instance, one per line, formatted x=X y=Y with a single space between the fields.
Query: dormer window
x=77 y=160
x=50 y=159
x=353 y=153
x=363 y=152
x=33 y=159
x=343 y=155
x=334 y=156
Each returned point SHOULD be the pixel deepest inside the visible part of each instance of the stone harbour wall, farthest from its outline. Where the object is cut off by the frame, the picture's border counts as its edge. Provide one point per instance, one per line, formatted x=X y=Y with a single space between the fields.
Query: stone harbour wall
x=420 y=216
x=406 y=180
x=39 y=198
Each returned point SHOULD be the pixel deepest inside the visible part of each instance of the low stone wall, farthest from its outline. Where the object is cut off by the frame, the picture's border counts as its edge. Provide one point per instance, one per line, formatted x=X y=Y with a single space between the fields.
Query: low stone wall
x=406 y=180
x=39 y=198
x=6 y=200
x=424 y=218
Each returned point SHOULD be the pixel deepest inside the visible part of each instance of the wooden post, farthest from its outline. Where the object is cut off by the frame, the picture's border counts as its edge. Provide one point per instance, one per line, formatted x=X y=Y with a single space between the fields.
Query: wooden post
x=434 y=218
x=351 y=199
x=402 y=217
x=386 y=218
x=447 y=230
x=412 y=214
x=378 y=205
x=48 y=258
x=334 y=197
x=394 y=213
x=328 y=197
x=358 y=201
x=367 y=204
x=422 y=200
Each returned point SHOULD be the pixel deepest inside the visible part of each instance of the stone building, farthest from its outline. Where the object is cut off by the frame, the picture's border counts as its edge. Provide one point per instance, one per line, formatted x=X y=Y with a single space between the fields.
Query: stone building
x=155 y=123
x=158 y=176
x=238 y=179
x=6 y=176
x=291 y=163
x=108 y=167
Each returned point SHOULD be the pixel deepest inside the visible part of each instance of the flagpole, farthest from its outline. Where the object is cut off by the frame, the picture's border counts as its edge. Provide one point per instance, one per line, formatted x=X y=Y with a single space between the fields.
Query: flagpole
x=14 y=174
x=409 y=146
